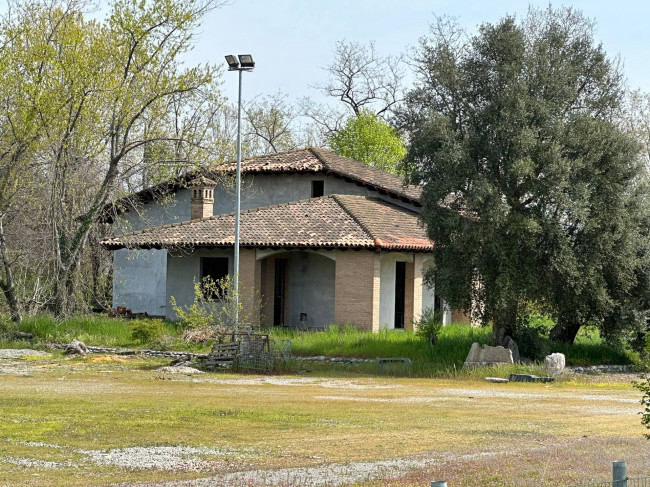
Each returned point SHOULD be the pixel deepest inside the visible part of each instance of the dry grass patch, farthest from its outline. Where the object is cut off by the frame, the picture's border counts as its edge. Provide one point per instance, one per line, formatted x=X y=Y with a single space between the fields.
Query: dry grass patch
x=266 y=423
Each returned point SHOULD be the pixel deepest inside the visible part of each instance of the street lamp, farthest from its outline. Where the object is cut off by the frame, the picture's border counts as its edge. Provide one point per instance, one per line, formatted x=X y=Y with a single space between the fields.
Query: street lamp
x=244 y=63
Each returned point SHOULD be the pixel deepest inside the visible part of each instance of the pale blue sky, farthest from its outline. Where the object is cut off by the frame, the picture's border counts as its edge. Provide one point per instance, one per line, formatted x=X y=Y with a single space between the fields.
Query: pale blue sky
x=291 y=40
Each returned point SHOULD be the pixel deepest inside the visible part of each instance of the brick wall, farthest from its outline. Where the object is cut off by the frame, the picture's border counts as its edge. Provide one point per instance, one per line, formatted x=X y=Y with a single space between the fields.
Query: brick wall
x=250 y=284
x=268 y=288
x=356 y=291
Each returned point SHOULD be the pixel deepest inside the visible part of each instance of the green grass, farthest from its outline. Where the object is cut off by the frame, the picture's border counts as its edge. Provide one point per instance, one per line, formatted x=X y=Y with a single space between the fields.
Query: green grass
x=449 y=353
x=68 y=405
x=445 y=358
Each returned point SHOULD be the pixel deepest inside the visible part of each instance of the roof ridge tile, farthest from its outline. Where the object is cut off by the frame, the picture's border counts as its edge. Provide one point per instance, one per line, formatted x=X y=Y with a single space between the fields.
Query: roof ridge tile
x=356 y=219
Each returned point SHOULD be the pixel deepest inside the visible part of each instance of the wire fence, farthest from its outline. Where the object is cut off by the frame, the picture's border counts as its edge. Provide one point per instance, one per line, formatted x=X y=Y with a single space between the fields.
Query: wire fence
x=619 y=479
x=629 y=482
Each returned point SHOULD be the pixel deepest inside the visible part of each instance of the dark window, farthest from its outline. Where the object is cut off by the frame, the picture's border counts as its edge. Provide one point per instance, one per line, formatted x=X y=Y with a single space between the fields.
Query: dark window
x=400 y=293
x=317 y=188
x=214 y=268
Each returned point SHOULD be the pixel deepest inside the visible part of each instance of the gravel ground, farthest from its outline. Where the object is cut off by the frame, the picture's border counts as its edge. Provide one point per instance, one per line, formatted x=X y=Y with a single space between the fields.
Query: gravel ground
x=11 y=353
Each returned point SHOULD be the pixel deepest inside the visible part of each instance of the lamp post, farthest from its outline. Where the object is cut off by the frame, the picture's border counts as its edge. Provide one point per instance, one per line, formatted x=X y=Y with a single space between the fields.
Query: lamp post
x=244 y=63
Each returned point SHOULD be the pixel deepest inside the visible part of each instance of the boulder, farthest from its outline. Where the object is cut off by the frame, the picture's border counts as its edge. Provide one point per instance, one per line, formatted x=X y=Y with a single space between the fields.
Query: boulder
x=486 y=355
x=76 y=347
x=555 y=364
x=511 y=345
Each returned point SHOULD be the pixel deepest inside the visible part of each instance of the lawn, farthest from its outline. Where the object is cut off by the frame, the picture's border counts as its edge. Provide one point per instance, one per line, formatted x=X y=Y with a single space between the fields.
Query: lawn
x=445 y=359
x=84 y=422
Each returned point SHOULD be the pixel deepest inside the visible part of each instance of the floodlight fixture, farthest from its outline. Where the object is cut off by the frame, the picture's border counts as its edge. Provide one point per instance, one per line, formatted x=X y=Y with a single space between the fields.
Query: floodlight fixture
x=246 y=61
x=232 y=61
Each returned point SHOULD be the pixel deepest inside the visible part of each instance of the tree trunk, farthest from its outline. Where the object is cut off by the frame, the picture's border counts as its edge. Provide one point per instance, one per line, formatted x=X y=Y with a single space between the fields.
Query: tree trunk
x=565 y=331
x=504 y=323
x=8 y=285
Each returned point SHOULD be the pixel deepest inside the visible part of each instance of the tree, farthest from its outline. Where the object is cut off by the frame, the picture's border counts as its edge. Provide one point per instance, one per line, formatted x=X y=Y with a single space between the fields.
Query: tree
x=532 y=192
x=268 y=121
x=108 y=104
x=362 y=80
x=368 y=139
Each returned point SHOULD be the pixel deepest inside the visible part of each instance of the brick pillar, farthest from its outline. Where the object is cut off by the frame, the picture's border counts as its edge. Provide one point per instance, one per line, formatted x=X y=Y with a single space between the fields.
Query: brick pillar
x=250 y=284
x=356 y=293
x=268 y=290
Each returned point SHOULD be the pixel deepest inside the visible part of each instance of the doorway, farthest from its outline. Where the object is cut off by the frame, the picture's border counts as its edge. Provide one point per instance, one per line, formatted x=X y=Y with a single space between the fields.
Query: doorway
x=279 y=292
x=400 y=288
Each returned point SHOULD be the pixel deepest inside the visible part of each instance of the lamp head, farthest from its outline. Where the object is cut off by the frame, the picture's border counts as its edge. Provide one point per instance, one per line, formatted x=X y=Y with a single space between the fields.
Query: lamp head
x=232 y=61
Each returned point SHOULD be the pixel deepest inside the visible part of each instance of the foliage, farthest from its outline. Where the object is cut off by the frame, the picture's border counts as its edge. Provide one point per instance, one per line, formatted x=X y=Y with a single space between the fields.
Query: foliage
x=91 y=108
x=215 y=305
x=269 y=125
x=368 y=139
x=531 y=191
x=146 y=330
x=429 y=325
x=532 y=340
x=363 y=81
x=644 y=387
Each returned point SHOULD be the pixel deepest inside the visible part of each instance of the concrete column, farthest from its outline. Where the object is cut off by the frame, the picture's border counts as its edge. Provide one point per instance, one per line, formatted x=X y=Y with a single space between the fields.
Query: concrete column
x=413 y=291
x=356 y=293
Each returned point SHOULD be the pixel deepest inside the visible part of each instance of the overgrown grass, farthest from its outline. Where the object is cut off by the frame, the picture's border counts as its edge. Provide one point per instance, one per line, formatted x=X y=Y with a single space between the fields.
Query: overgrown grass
x=449 y=353
x=447 y=356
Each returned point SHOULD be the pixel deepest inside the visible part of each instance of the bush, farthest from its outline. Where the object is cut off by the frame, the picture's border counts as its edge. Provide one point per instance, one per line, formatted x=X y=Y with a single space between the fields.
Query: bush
x=144 y=330
x=215 y=305
x=531 y=340
x=429 y=325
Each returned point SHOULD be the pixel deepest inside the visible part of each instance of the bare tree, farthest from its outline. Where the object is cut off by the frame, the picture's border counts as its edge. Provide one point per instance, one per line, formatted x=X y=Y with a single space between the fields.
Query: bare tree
x=363 y=81
x=269 y=124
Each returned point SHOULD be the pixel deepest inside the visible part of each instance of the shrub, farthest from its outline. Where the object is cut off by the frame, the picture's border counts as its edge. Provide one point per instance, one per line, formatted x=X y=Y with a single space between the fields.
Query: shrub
x=531 y=340
x=146 y=330
x=213 y=306
x=429 y=325
x=200 y=334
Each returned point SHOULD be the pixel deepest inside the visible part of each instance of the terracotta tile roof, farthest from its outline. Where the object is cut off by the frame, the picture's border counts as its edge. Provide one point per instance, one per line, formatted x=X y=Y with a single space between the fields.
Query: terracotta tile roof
x=310 y=160
x=324 y=160
x=335 y=221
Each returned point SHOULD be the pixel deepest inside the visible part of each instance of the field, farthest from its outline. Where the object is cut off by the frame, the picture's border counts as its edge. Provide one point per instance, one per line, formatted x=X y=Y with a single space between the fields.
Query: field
x=106 y=420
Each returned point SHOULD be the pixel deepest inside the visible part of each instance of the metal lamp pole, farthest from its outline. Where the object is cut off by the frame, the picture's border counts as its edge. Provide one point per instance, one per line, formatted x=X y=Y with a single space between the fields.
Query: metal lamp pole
x=244 y=63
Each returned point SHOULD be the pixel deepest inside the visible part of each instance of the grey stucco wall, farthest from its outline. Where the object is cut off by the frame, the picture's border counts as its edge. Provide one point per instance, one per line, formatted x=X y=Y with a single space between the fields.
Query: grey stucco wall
x=139 y=280
x=183 y=270
x=139 y=276
x=273 y=189
x=311 y=280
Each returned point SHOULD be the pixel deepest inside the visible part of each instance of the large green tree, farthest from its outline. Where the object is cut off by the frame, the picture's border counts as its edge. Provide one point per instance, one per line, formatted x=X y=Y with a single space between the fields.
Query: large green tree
x=532 y=192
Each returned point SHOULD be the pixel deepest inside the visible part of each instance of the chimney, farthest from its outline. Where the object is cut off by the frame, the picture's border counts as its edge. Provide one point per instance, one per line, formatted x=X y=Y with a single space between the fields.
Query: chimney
x=202 y=190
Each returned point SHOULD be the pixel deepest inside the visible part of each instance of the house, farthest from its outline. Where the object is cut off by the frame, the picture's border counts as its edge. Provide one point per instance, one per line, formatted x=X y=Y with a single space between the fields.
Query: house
x=323 y=239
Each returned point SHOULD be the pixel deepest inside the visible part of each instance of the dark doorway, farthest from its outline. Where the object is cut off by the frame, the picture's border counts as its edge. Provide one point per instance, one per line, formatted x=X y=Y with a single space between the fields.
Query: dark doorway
x=400 y=287
x=279 y=292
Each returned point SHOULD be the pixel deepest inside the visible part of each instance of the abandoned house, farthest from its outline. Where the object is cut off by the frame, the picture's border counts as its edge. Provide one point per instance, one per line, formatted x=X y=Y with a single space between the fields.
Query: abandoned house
x=323 y=239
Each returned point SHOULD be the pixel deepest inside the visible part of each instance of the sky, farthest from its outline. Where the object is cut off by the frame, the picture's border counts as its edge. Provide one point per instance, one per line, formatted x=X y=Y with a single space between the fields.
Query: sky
x=293 y=40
